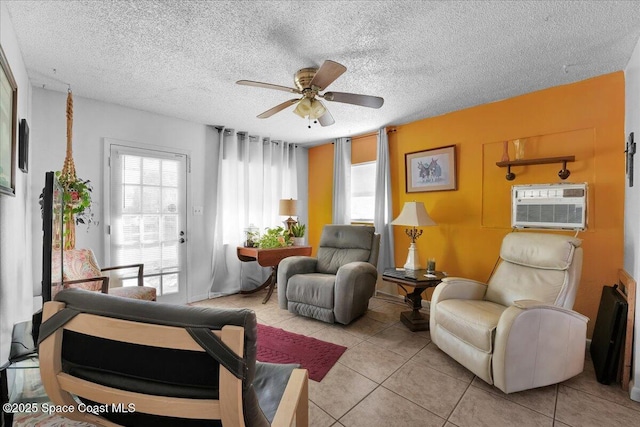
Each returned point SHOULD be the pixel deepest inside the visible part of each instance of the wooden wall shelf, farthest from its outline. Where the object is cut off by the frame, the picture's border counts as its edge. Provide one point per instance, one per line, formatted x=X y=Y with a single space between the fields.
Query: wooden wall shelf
x=563 y=173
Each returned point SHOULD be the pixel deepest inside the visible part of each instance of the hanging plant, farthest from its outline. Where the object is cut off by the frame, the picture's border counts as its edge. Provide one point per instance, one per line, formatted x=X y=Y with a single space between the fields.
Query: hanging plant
x=77 y=200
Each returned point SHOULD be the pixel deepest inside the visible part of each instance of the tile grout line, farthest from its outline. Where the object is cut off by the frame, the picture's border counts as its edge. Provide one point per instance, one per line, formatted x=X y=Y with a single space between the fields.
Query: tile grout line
x=598 y=396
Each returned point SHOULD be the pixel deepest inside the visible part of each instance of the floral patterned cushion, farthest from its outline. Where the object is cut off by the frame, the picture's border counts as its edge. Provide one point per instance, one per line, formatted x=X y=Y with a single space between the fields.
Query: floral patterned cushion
x=78 y=264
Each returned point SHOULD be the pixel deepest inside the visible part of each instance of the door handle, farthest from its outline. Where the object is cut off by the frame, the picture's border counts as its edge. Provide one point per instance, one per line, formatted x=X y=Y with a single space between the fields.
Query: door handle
x=182 y=240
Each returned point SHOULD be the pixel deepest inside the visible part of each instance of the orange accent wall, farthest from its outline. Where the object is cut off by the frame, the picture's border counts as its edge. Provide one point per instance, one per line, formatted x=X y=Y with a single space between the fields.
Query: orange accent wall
x=320 y=191
x=585 y=119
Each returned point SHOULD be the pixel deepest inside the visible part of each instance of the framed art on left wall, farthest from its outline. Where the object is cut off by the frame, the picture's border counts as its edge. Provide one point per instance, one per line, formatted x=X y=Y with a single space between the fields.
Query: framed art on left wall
x=8 y=111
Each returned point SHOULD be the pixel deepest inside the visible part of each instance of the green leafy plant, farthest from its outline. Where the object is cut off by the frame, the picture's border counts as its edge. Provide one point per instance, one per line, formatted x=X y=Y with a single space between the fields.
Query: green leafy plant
x=274 y=238
x=298 y=229
x=77 y=200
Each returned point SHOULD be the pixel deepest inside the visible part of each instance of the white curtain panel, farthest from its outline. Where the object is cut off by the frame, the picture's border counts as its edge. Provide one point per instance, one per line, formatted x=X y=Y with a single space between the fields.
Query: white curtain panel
x=342 y=181
x=255 y=173
x=382 y=216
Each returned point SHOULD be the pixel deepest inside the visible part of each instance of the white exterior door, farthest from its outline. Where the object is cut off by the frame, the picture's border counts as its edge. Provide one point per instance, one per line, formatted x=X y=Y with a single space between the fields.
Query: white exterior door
x=147 y=204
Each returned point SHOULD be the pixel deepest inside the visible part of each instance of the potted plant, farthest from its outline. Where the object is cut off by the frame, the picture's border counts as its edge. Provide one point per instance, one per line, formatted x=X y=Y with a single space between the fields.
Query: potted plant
x=76 y=210
x=77 y=200
x=298 y=231
x=274 y=238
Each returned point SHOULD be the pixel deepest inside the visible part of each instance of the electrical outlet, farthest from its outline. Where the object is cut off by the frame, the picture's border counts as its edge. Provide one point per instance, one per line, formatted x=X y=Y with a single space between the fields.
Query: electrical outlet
x=197 y=210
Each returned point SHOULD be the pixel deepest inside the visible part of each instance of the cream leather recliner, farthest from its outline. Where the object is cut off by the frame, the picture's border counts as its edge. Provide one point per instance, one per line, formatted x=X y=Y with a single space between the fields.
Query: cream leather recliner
x=518 y=331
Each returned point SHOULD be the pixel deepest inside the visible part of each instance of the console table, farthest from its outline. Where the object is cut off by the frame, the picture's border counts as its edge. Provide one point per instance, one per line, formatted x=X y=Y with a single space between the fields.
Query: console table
x=270 y=258
x=413 y=282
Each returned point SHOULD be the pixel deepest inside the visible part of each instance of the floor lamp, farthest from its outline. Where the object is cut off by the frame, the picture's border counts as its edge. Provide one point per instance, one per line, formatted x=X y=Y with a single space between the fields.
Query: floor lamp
x=415 y=215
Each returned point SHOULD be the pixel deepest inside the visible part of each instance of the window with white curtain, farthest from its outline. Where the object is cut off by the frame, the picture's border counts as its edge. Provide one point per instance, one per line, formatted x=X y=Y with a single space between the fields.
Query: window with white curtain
x=256 y=174
x=363 y=188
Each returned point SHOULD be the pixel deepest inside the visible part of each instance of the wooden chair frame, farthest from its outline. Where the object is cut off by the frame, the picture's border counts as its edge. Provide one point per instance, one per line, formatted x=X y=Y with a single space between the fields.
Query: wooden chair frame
x=120 y=267
x=61 y=387
x=105 y=279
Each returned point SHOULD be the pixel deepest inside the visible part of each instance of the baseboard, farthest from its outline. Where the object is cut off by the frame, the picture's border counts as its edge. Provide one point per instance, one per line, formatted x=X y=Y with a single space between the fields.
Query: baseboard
x=391 y=297
x=194 y=298
x=634 y=392
x=400 y=298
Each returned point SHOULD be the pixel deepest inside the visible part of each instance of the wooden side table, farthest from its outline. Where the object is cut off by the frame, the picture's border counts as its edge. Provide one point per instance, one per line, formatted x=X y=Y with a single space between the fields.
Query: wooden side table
x=413 y=282
x=270 y=258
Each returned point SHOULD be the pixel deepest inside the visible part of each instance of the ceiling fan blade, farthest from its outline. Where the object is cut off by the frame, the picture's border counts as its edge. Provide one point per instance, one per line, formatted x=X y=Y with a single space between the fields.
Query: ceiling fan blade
x=270 y=112
x=326 y=119
x=267 y=86
x=355 y=99
x=327 y=73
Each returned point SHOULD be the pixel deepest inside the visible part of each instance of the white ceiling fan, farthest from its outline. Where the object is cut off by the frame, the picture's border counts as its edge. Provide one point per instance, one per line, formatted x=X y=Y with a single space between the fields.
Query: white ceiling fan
x=309 y=83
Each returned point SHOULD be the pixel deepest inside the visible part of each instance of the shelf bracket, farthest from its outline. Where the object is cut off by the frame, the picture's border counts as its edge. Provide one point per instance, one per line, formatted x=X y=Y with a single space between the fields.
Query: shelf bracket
x=564 y=172
x=510 y=175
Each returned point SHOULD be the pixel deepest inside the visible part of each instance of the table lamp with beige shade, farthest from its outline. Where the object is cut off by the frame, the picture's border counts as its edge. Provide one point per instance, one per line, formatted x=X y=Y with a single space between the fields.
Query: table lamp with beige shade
x=413 y=214
x=288 y=207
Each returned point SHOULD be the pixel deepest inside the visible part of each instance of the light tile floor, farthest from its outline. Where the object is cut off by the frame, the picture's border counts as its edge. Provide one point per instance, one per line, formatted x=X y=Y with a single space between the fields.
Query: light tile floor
x=390 y=376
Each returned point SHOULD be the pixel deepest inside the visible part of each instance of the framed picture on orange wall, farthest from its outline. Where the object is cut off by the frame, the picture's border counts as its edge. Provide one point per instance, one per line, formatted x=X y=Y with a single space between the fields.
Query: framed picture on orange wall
x=431 y=170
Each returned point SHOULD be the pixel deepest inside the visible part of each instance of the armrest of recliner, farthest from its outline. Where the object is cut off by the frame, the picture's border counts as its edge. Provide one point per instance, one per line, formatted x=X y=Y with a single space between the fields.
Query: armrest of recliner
x=453 y=288
x=288 y=268
x=537 y=344
x=355 y=285
x=529 y=304
x=458 y=288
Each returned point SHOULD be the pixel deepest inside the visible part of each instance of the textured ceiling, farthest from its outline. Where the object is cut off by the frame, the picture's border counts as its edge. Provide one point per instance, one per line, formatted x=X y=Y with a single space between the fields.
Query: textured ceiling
x=425 y=58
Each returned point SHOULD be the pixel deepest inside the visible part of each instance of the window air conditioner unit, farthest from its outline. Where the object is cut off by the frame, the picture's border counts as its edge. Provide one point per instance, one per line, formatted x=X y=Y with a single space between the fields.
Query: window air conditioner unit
x=555 y=206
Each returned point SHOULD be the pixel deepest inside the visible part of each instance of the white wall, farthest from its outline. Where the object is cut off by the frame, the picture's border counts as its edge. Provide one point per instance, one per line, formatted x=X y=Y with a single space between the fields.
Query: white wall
x=16 y=280
x=92 y=122
x=632 y=202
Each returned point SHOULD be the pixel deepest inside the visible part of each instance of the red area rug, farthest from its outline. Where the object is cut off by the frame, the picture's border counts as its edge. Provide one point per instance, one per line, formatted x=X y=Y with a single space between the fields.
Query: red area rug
x=280 y=346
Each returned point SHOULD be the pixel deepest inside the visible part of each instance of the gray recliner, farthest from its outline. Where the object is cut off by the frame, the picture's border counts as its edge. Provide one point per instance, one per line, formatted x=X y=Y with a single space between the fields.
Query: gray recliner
x=335 y=286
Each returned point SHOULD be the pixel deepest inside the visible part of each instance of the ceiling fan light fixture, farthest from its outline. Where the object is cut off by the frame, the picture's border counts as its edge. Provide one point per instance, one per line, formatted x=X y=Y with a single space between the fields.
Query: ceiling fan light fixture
x=311 y=108
x=317 y=109
x=303 y=108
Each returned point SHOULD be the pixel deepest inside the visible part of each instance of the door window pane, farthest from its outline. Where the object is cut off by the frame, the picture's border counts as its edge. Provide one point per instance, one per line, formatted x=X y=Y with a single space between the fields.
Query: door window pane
x=151 y=198
x=131 y=199
x=151 y=171
x=169 y=173
x=131 y=170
